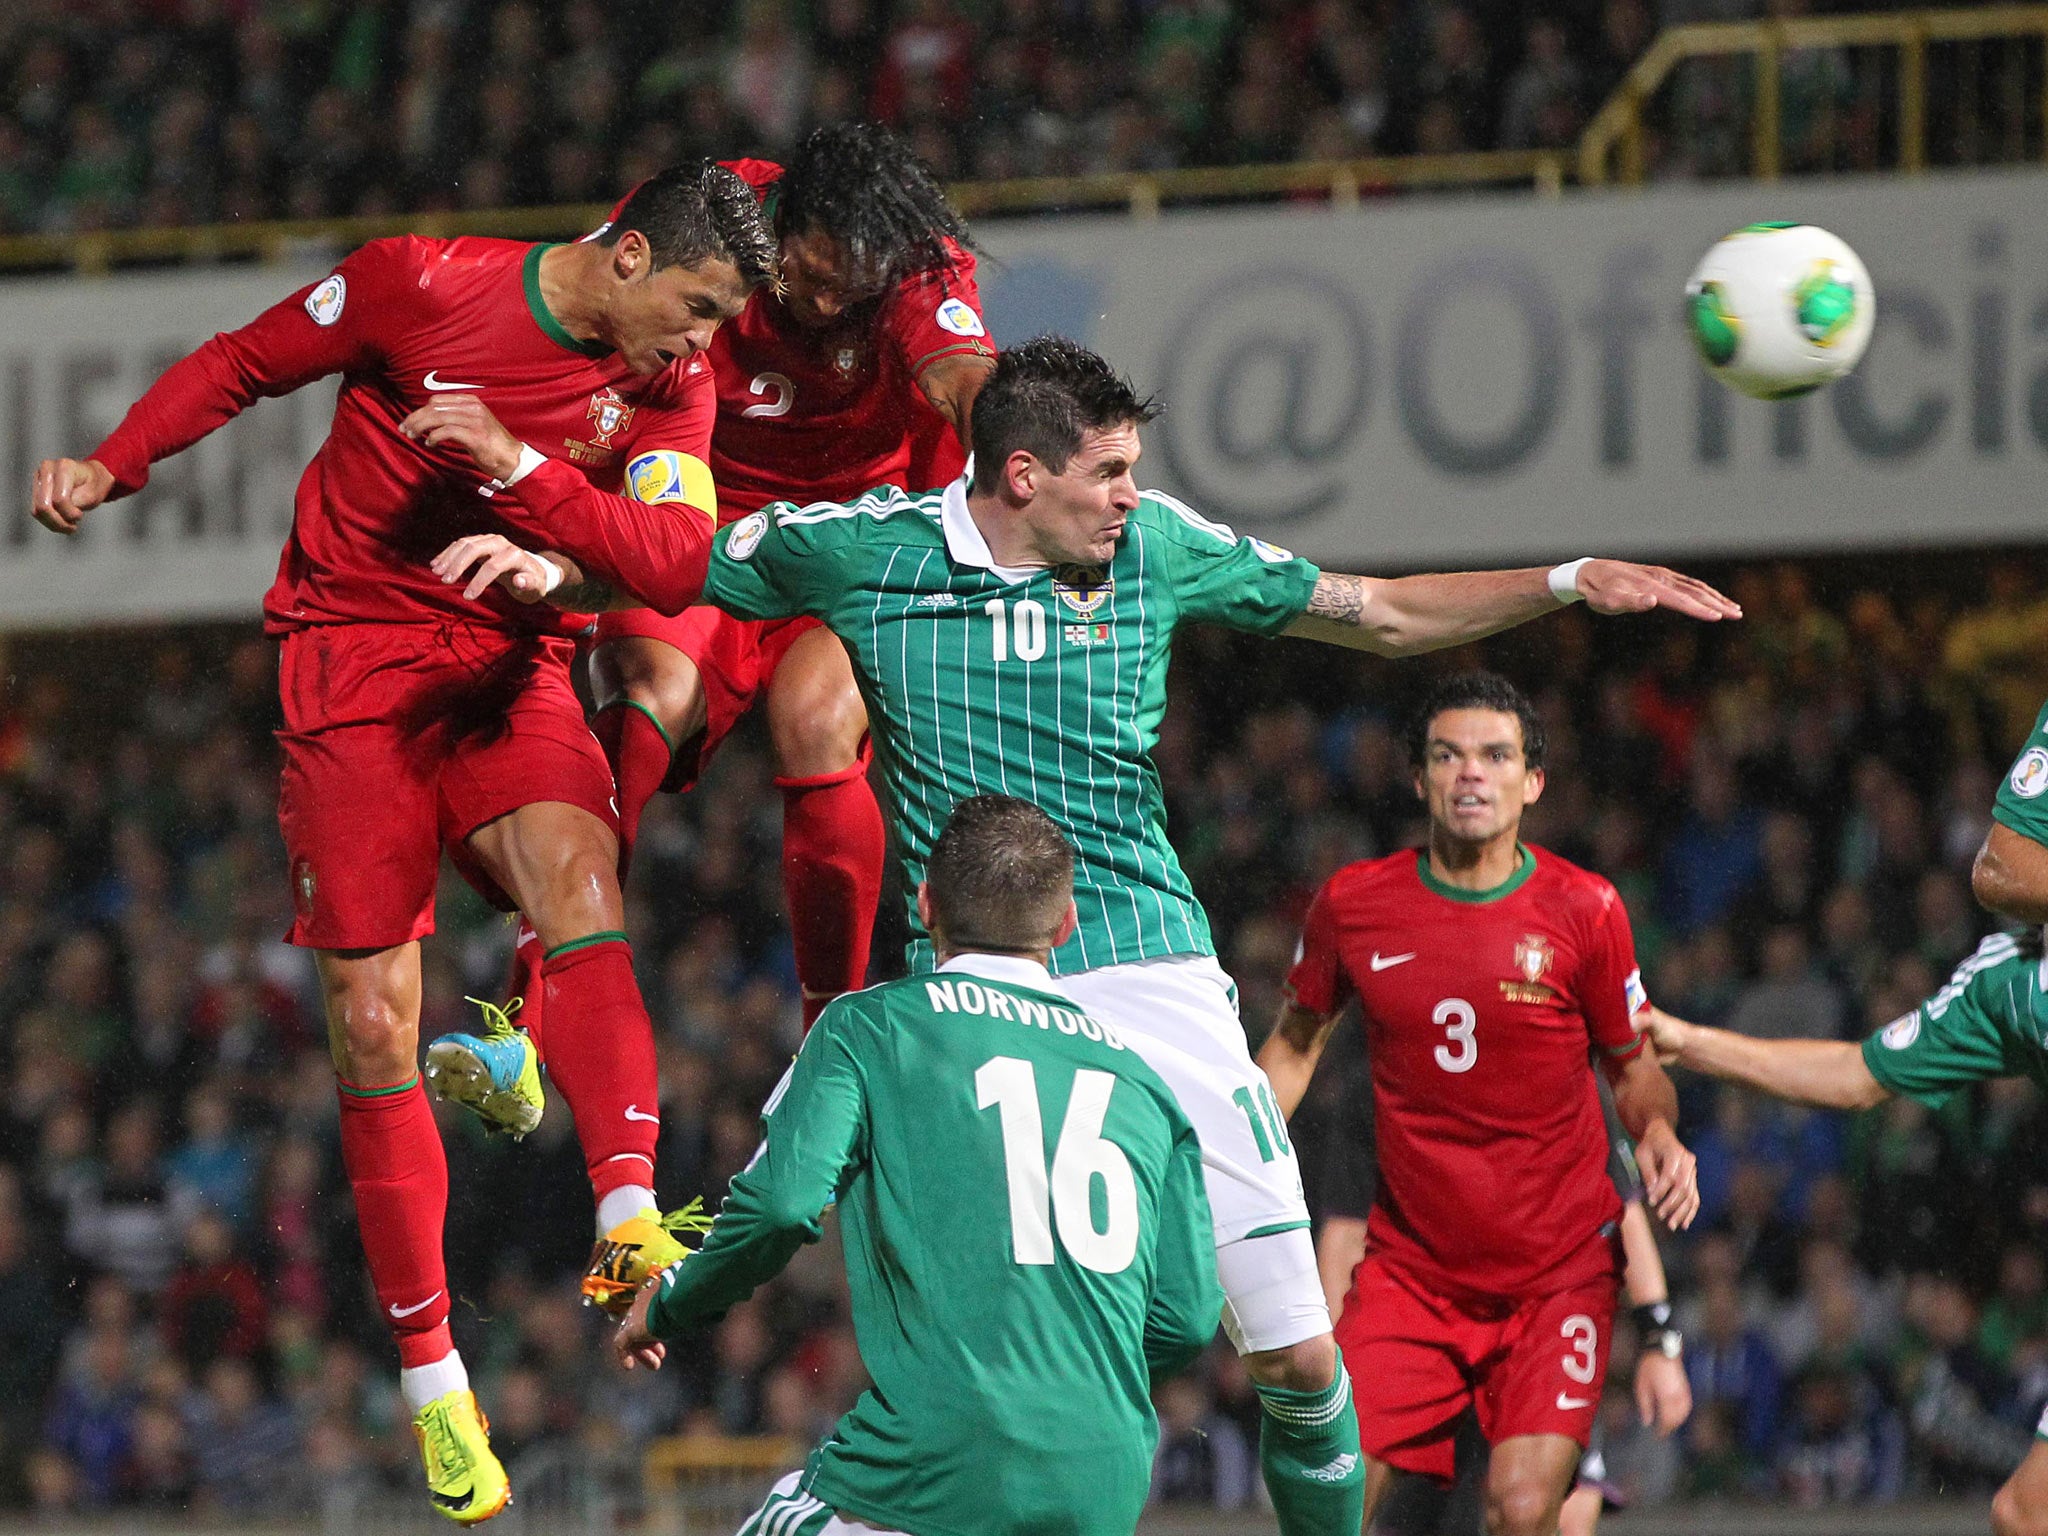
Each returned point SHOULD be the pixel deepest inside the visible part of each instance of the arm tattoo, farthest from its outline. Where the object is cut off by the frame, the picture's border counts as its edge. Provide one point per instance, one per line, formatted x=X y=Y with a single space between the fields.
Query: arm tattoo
x=1339 y=599
x=589 y=595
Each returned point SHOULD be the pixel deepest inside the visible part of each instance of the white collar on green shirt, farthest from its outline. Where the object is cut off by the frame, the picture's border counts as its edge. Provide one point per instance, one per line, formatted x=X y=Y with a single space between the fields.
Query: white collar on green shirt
x=964 y=540
x=1010 y=970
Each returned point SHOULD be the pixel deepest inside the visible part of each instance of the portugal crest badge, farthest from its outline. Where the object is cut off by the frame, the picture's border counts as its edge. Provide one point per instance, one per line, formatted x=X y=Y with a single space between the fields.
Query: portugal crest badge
x=1533 y=954
x=608 y=414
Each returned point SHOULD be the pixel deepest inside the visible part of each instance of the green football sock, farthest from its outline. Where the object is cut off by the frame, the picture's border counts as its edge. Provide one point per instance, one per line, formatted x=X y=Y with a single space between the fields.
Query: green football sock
x=1308 y=1451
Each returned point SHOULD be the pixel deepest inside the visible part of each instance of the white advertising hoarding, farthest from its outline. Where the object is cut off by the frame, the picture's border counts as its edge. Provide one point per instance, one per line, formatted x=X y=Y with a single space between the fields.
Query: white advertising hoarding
x=1434 y=381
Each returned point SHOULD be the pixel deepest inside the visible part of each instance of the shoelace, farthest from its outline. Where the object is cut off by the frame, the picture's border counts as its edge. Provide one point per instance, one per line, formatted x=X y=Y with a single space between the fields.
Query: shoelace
x=450 y=1459
x=691 y=1220
x=497 y=1021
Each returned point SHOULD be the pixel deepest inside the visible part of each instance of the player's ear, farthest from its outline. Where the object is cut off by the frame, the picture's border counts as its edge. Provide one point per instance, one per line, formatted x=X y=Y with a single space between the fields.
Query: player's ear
x=1069 y=921
x=1532 y=787
x=924 y=904
x=1020 y=474
x=631 y=256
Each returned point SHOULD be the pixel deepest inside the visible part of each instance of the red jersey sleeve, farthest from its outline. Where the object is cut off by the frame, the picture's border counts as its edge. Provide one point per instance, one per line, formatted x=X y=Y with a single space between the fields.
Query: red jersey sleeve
x=937 y=314
x=1610 y=983
x=331 y=326
x=1318 y=981
x=655 y=543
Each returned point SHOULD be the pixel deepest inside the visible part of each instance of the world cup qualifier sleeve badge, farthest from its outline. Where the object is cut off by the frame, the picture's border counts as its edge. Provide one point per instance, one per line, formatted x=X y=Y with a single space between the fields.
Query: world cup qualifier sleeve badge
x=1084 y=594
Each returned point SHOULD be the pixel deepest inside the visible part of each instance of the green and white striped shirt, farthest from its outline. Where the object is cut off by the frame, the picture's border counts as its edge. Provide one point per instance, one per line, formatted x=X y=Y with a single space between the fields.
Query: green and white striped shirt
x=1046 y=685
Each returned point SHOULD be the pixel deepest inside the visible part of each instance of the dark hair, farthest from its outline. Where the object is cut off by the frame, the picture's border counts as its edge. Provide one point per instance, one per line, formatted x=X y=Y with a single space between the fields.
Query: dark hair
x=1000 y=876
x=866 y=188
x=699 y=211
x=1041 y=397
x=1476 y=690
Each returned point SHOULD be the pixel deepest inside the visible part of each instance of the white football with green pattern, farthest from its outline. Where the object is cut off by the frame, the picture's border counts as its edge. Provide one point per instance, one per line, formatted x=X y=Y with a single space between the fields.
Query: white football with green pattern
x=1777 y=310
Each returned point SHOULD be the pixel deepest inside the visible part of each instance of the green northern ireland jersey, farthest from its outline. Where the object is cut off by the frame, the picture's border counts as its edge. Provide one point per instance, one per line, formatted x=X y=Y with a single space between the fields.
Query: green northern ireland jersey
x=1027 y=1241
x=1044 y=684
x=2022 y=802
x=1990 y=1020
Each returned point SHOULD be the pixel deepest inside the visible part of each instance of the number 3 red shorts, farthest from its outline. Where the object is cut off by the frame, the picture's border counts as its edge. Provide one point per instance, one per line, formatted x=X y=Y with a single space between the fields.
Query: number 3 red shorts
x=401 y=740
x=1418 y=1360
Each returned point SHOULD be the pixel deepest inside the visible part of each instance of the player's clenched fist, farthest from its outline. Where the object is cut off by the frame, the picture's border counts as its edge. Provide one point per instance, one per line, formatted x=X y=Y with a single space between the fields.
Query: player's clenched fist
x=66 y=489
x=465 y=423
x=1620 y=586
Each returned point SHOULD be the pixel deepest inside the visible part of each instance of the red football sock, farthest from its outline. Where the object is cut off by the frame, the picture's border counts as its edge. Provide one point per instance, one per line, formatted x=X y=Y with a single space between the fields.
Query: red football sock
x=526 y=983
x=831 y=879
x=392 y=1151
x=601 y=1055
x=639 y=752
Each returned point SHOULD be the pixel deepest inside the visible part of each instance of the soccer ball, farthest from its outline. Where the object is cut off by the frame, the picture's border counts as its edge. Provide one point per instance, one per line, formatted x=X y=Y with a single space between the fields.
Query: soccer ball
x=1777 y=310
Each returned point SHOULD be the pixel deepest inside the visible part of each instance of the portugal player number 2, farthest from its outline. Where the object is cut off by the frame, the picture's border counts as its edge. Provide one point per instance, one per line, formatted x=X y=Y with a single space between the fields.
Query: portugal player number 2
x=1083 y=1154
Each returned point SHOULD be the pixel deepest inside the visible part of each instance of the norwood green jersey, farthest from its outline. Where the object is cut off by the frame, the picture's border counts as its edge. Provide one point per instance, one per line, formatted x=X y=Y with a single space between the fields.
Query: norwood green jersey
x=1044 y=684
x=1990 y=1020
x=1027 y=1241
x=2022 y=802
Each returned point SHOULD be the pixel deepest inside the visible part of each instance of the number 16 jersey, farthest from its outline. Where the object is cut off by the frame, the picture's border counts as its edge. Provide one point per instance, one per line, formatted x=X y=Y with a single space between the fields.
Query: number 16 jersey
x=1479 y=1009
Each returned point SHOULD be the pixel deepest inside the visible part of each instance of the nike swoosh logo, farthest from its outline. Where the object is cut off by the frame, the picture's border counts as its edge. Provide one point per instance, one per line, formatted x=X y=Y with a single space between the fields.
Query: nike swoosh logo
x=1381 y=962
x=633 y=1113
x=433 y=382
x=1569 y=1403
x=420 y=1307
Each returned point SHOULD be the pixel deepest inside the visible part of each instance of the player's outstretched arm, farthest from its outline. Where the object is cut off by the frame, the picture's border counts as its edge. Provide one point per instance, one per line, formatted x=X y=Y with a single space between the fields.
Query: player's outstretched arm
x=1828 y=1074
x=1407 y=615
x=486 y=560
x=2011 y=875
x=1291 y=1052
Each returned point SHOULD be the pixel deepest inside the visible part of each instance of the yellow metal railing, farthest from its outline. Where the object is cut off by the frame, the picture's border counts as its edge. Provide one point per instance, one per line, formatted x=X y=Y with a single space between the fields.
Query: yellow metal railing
x=1142 y=193
x=1617 y=128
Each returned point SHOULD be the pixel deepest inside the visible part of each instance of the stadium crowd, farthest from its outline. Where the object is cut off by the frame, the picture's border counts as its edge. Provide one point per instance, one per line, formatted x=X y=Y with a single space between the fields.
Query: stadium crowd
x=1789 y=805
x=118 y=113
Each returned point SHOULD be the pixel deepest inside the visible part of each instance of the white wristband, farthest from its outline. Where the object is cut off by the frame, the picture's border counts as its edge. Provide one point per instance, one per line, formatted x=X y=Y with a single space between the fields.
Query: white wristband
x=1564 y=580
x=530 y=459
x=551 y=575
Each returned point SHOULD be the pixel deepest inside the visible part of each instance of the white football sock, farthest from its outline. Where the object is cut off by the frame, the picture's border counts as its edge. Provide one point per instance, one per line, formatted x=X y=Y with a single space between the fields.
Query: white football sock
x=622 y=1204
x=419 y=1385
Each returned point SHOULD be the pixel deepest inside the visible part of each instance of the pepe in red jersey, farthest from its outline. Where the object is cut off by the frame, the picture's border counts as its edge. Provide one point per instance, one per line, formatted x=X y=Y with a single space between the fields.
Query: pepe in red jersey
x=1491 y=974
x=487 y=386
x=860 y=371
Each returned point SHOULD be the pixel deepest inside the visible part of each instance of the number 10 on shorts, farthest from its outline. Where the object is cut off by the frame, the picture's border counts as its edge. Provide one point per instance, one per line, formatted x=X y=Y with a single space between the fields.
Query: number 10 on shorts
x=1269 y=1126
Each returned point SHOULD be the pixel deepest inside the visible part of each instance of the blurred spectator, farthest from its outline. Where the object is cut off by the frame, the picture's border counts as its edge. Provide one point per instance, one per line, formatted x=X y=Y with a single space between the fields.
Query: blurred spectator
x=1203 y=1457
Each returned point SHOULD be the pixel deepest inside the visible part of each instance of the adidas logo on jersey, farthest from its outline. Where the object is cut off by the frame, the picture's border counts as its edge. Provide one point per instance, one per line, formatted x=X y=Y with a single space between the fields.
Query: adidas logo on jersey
x=938 y=600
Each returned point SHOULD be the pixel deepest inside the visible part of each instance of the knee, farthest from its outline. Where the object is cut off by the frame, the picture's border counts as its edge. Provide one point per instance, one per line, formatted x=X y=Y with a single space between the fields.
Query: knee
x=374 y=1038
x=1521 y=1507
x=2013 y=1515
x=1309 y=1366
x=654 y=675
x=816 y=727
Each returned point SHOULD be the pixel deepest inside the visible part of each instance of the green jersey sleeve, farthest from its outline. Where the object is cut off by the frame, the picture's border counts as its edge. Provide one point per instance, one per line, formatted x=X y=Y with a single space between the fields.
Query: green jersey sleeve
x=1218 y=577
x=812 y=1134
x=764 y=567
x=1974 y=1028
x=1187 y=1299
x=2022 y=801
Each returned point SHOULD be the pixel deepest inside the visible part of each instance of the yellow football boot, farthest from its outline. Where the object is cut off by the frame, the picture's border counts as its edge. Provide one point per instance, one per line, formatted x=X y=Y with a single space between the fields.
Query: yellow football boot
x=464 y=1479
x=635 y=1249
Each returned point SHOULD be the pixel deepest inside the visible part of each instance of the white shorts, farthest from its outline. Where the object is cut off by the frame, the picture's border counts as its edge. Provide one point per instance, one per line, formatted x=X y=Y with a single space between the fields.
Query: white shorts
x=1179 y=1013
x=788 y=1511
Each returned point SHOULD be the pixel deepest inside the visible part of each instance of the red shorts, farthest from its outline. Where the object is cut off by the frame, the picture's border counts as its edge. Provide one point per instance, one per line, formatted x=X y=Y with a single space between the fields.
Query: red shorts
x=1418 y=1360
x=401 y=740
x=734 y=658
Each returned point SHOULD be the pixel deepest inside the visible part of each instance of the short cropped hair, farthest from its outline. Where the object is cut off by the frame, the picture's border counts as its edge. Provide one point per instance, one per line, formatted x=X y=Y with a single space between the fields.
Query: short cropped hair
x=698 y=211
x=1476 y=690
x=865 y=188
x=999 y=877
x=1041 y=397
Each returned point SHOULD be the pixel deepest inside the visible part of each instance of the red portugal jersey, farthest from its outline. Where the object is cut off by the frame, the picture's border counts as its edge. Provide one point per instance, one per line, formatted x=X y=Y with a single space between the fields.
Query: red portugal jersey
x=823 y=415
x=1479 y=1011
x=399 y=320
